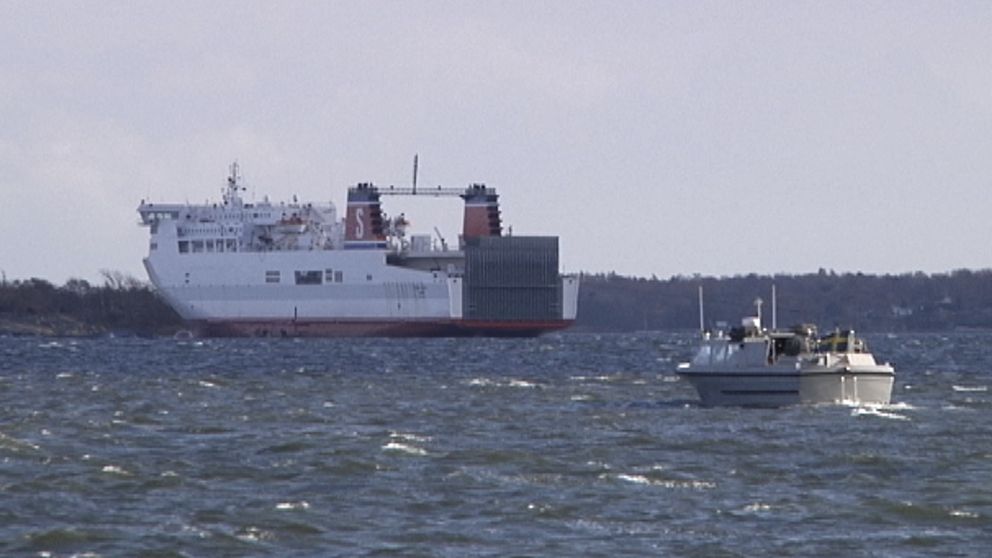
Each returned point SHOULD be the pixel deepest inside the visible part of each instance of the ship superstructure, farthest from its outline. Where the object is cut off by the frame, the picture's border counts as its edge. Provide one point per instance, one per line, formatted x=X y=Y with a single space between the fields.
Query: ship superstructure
x=235 y=268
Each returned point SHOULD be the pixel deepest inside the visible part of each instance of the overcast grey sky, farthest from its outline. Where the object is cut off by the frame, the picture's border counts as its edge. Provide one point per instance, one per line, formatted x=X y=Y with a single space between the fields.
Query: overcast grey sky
x=653 y=137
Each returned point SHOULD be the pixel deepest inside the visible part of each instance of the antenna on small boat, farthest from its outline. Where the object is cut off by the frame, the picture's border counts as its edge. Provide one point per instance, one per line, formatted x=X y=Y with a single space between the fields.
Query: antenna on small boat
x=702 y=327
x=415 y=174
x=774 y=309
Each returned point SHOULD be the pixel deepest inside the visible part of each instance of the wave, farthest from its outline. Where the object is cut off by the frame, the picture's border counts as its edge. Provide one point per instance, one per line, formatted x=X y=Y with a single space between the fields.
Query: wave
x=970 y=389
x=404 y=448
x=115 y=470
x=486 y=382
x=664 y=483
x=409 y=437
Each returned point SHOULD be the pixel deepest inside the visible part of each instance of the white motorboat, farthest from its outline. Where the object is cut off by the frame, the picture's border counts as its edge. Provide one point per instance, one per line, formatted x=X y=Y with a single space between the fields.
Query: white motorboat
x=754 y=366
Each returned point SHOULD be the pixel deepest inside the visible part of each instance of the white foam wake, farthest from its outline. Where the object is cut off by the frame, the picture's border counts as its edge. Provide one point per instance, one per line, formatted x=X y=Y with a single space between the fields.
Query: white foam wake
x=876 y=412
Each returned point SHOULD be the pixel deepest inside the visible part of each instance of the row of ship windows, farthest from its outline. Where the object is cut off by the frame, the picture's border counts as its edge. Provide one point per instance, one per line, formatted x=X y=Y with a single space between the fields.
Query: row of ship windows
x=311 y=277
x=199 y=246
x=189 y=231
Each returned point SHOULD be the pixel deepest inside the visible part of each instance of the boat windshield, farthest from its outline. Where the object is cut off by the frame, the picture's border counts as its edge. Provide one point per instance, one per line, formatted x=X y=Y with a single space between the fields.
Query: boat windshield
x=842 y=342
x=714 y=353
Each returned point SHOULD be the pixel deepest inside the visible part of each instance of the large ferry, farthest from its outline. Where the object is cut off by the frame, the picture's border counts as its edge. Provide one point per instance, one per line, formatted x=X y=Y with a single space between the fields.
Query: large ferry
x=235 y=268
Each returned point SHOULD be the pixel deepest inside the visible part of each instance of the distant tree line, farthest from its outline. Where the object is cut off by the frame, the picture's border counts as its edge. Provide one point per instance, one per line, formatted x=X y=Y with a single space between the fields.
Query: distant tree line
x=122 y=304
x=916 y=301
x=607 y=302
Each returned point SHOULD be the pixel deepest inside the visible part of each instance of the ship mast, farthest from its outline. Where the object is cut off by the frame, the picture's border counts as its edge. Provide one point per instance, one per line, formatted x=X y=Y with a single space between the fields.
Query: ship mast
x=231 y=196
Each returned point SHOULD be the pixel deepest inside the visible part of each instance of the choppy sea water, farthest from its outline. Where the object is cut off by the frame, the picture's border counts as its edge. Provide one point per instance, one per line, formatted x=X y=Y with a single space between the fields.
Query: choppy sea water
x=566 y=445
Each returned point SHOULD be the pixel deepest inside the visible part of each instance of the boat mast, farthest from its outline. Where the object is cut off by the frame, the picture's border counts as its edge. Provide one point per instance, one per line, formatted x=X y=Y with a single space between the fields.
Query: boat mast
x=415 y=174
x=774 y=309
x=702 y=327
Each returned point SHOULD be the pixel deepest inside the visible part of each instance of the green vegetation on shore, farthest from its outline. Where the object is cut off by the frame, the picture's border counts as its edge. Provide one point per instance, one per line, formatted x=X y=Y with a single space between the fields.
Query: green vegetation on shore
x=907 y=302
x=123 y=305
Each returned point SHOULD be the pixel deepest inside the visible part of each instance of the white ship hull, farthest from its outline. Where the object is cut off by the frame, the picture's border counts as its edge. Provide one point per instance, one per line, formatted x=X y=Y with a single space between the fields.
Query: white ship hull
x=358 y=294
x=776 y=387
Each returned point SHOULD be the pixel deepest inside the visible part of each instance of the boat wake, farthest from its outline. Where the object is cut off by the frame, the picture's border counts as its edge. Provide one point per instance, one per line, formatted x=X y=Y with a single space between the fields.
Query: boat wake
x=881 y=411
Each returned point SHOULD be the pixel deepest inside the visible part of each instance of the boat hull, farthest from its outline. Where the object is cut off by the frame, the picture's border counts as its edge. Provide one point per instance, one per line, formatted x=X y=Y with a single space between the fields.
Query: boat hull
x=374 y=328
x=774 y=388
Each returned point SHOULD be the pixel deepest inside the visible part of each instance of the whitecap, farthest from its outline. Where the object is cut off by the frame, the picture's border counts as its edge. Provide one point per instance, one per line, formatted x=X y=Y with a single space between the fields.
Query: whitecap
x=404 y=448
x=64 y=375
x=666 y=483
x=970 y=389
x=637 y=479
x=409 y=437
x=301 y=505
x=522 y=384
x=481 y=382
x=254 y=534
x=115 y=470
x=757 y=507
x=7 y=442
x=600 y=378
x=206 y=384
x=964 y=514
